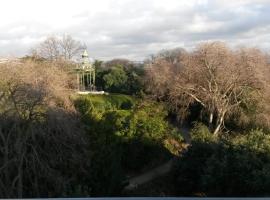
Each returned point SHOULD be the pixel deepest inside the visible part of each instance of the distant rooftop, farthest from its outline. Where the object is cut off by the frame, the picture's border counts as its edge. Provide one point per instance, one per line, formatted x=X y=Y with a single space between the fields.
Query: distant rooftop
x=8 y=60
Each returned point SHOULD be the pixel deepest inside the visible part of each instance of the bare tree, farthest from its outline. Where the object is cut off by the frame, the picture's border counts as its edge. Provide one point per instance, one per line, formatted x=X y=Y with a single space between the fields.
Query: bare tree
x=55 y=48
x=216 y=77
x=28 y=86
x=49 y=48
x=172 y=55
x=70 y=47
x=39 y=132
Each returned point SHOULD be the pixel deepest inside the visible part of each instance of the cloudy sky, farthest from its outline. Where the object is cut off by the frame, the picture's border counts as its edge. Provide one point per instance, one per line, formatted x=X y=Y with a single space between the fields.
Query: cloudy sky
x=133 y=29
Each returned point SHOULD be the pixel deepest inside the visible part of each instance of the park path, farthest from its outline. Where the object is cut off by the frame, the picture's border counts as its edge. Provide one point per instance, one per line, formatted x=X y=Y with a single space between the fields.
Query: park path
x=161 y=170
x=150 y=175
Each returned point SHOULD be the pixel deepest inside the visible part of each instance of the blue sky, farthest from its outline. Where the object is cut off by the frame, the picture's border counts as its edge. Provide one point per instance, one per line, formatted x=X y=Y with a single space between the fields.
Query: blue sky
x=133 y=29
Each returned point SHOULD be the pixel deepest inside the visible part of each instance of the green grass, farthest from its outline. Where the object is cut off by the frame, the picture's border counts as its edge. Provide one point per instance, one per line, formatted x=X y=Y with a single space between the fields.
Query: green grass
x=116 y=101
x=105 y=102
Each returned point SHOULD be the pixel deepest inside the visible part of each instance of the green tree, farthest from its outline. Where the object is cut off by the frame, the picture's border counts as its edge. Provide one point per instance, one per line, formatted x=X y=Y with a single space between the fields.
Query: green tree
x=115 y=80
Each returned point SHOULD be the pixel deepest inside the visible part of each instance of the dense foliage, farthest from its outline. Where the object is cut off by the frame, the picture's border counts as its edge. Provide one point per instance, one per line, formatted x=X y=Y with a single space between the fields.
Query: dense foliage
x=119 y=77
x=126 y=135
x=226 y=166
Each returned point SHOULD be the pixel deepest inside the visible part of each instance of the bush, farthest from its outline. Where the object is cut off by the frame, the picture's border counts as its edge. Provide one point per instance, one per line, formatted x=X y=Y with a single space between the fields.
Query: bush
x=200 y=133
x=148 y=121
x=138 y=133
x=226 y=166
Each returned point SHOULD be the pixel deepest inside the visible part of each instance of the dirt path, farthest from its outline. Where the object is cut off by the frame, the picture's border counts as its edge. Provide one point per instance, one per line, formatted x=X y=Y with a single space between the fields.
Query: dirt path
x=158 y=171
x=148 y=176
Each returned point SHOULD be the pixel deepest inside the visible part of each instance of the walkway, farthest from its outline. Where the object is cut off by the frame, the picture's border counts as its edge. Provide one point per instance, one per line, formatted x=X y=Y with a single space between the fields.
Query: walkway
x=158 y=171
x=148 y=176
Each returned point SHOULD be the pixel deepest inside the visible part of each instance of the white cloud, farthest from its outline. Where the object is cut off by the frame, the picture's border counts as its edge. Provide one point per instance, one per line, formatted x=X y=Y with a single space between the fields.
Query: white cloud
x=133 y=28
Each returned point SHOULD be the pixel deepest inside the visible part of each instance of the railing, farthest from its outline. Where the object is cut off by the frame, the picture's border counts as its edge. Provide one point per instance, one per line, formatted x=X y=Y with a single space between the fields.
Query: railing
x=158 y=198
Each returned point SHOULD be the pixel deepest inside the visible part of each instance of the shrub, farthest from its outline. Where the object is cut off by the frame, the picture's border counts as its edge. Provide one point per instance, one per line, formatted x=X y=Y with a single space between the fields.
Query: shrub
x=137 y=133
x=226 y=166
x=200 y=133
x=148 y=121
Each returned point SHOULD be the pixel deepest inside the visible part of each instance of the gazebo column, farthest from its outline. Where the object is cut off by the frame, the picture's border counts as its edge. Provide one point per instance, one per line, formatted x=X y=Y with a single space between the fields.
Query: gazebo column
x=78 y=81
x=94 y=77
x=90 y=73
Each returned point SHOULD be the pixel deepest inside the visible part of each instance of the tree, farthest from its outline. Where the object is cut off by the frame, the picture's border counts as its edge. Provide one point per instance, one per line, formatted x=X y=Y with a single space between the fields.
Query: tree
x=115 y=80
x=41 y=136
x=171 y=56
x=120 y=75
x=118 y=61
x=55 y=48
x=49 y=48
x=216 y=77
x=70 y=47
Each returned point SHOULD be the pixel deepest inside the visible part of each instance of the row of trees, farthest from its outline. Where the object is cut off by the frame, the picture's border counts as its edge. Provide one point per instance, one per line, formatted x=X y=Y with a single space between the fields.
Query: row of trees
x=221 y=82
x=117 y=75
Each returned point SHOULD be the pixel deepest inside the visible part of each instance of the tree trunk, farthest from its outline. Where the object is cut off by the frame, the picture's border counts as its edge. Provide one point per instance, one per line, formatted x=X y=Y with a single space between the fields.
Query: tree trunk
x=217 y=128
x=210 y=122
x=220 y=121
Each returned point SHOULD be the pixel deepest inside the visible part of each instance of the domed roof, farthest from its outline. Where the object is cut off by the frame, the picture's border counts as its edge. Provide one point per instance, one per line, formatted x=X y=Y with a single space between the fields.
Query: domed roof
x=85 y=54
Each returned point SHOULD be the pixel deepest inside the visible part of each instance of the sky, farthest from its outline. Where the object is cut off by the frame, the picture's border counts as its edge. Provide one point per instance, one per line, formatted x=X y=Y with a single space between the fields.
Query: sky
x=133 y=29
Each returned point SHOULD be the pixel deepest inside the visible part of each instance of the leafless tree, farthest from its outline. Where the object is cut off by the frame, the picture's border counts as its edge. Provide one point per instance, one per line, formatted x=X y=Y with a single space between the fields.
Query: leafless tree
x=172 y=55
x=70 y=47
x=54 y=48
x=49 y=48
x=38 y=129
x=216 y=77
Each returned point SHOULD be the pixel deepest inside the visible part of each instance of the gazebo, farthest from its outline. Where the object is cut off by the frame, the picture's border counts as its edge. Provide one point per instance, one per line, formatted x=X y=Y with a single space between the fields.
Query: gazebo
x=85 y=74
